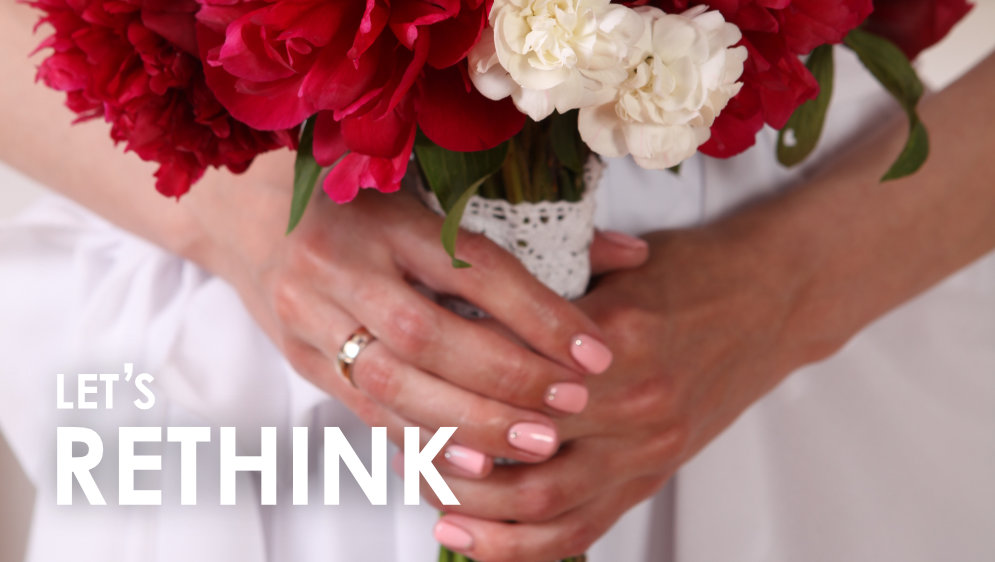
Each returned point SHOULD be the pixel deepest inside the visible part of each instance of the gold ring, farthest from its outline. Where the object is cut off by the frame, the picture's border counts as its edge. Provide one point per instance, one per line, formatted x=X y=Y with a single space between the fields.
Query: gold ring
x=351 y=350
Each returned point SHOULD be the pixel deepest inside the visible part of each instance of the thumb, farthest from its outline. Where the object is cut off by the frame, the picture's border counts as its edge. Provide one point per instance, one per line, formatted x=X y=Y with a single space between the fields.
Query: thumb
x=612 y=250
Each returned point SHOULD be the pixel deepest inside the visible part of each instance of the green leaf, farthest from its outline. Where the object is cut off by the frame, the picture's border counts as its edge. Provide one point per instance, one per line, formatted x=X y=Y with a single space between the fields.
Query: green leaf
x=450 y=226
x=894 y=71
x=800 y=135
x=914 y=154
x=454 y=177
x=450 y=173
x=306 y=172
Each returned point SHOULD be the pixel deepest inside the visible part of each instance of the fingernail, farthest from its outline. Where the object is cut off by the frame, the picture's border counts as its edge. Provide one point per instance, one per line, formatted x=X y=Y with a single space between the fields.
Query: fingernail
x=567 y=397
x=453 y=537
x=465 y=458
x=533 y=437
x=623 y=239
x=590 y=353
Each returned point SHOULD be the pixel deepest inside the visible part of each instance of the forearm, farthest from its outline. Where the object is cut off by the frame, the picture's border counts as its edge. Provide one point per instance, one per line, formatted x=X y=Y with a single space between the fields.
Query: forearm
x=81 y=162
x=853 y=248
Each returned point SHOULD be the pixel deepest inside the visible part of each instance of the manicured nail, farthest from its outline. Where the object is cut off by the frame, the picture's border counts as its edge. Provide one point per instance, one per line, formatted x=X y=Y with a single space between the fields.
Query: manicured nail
x=624 y=240
x=590 y=353
x=567 y=397
x=465 y=458
x=453 y=537
x=533 y=437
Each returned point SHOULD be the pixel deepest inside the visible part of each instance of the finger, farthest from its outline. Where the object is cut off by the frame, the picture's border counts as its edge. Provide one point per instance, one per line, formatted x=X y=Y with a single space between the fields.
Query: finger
x=612 y=250
x=456 y=460
x=426 y=335
x=421 y=333
x=484 y=425
x=500 y=285
x=489 y=426
x=577 y=474
x=569 y=535
x=544 y=491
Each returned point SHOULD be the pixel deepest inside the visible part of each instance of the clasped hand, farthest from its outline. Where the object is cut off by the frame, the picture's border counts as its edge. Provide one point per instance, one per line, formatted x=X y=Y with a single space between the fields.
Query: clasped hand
x=694 y=325
x=697 y=336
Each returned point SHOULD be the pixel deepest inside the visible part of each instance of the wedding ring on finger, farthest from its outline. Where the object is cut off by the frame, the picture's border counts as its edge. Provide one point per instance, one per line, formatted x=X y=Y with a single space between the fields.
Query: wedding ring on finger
x=350 y=351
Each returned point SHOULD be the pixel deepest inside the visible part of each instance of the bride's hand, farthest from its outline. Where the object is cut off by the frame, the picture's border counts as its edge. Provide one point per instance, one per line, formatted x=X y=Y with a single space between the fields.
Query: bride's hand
x=719 y=315
x=697 y=336
x=352 y=265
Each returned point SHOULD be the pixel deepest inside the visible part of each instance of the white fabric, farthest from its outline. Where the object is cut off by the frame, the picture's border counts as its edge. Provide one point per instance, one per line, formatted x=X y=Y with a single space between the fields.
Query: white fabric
x=883 y=453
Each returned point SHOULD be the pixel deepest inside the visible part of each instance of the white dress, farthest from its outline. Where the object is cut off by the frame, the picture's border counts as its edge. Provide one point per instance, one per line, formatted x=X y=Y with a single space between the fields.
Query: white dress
x=886 y=452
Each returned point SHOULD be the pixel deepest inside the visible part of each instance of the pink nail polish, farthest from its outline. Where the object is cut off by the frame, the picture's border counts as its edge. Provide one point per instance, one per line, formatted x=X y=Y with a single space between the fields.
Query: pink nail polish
x=533 y=437
x=567 y=397
x=590 y=353
x=624 y=240
x=453 y=537
x=465 y=458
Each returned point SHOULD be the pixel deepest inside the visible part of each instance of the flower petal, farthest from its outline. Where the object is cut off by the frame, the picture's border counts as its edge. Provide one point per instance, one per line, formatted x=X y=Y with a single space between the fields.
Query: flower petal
x=457 y=117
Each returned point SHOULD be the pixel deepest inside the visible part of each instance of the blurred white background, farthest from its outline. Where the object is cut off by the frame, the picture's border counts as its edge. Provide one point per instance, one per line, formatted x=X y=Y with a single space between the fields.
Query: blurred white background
x=969 y=42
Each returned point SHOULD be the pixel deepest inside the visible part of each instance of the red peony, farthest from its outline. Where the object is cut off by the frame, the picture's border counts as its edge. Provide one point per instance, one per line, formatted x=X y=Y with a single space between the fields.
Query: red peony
x=915 y=25
x=775 y=82
x=369 y=70
x=134 y=63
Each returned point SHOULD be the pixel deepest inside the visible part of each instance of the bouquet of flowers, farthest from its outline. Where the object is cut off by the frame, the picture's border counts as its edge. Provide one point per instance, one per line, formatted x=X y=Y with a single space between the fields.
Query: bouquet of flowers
x=509 y=100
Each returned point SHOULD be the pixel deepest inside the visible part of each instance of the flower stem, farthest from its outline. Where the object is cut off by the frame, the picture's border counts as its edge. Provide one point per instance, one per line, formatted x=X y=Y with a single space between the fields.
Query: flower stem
x=512 y=173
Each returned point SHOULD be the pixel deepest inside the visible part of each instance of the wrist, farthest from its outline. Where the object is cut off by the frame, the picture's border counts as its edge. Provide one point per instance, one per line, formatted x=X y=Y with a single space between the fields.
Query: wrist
x=240 y=219
x=802 y=269
x=746 y=274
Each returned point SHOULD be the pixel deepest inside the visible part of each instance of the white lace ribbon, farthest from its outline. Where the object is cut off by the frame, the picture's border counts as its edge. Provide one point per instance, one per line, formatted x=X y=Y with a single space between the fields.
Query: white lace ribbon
x=551 y=239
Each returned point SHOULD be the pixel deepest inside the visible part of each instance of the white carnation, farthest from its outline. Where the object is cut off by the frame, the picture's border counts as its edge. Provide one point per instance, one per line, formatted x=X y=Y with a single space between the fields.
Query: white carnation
x=665 y=107
x=555 y=54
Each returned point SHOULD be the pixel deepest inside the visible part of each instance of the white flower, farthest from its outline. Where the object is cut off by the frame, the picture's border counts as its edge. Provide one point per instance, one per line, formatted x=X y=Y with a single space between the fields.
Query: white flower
x=555 y=54
x=664 y=109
